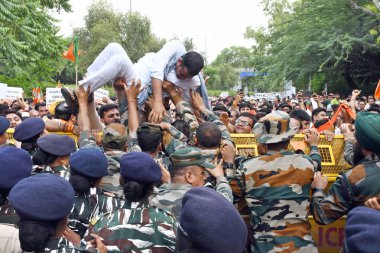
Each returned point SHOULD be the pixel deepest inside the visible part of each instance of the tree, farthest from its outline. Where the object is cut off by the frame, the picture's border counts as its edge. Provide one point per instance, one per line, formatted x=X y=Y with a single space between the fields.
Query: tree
x=57 y=5
x=309 y=38
x=29 y=45
x=104 y=25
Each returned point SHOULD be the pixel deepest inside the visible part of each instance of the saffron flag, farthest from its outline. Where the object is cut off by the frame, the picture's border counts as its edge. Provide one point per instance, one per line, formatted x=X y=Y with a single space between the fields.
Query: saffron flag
x=72 y=53
x=34 y=93
x=377 y=91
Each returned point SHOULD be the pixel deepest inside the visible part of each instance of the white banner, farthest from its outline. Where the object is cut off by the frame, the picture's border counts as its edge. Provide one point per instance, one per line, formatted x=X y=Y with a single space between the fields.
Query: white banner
x=14 y=92
x=53 y=94
x=101 y=93
x=3 y=90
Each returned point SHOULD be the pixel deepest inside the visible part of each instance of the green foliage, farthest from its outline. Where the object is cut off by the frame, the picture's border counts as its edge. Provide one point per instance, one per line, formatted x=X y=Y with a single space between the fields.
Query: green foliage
x=103 y=26
x=308 y=38
x=29 y=47
x=223 y=77
x=57 y=4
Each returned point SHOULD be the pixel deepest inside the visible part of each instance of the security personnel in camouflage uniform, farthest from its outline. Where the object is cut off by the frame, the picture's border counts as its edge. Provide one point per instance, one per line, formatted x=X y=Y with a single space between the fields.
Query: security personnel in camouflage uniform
x=43 y=220
x=88 y=166
x=28 y=132
x=114 y=141
x=15 y=166
x=357 y=185
x=188 y=170
x=276 y=188
x=53 y=153
x=137 y=226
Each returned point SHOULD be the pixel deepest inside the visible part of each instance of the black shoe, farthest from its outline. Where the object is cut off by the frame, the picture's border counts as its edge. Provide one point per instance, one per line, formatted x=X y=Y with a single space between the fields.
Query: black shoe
x=70 y=97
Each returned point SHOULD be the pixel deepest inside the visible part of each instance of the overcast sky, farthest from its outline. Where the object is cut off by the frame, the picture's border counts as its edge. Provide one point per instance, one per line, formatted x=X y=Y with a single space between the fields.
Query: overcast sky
x=213 y=25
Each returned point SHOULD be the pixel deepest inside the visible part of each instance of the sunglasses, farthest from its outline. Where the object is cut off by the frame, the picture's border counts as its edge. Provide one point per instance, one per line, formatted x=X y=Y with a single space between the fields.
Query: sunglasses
x=243 y=122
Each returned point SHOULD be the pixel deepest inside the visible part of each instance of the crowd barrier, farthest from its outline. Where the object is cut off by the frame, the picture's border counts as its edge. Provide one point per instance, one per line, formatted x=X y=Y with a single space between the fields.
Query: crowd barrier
x=329 y=238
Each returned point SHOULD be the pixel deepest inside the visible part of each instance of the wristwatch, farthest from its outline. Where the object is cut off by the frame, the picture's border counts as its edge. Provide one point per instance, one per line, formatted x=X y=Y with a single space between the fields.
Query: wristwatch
x=228 y=165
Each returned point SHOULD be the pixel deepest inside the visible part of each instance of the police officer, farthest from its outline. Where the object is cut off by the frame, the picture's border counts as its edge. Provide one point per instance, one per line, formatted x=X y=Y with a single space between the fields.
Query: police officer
x=4 y=125
x=137 y=226
x=210 y=223
x=28 y=132
x=53 y=154
x=188 y=170
x=15 y=166
x=43 y=220
x=88 y=166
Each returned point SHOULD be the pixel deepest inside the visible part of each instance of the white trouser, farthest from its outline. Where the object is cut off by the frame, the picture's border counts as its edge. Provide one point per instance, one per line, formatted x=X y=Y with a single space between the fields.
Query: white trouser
x=111 y=63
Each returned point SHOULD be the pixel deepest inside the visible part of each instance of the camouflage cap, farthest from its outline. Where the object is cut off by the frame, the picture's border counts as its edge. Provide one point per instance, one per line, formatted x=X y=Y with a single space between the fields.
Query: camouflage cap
x=189 y=156
x=274 y=128
x=115 y=136
x=148 y=127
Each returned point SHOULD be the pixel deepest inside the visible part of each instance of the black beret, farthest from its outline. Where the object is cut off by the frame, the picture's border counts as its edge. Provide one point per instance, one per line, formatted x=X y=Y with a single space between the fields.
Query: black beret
x=55 y=144
x=28 y=129
x=15 y=165
x=43 y=197
x=212 y=222
x=4 y=124
x=140 y=167
x=90 y=162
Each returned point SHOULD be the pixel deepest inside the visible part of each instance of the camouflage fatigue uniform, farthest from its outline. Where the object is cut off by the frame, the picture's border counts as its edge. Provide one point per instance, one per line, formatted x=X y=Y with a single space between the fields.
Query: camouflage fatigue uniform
x=276 y=188
x=349 y=152
x=8 y=214
x=89 y=206
x=61 y=171
x=136 y=227
x=350 y=189
x=184 y=112
x=111 y=182
x=169 y=196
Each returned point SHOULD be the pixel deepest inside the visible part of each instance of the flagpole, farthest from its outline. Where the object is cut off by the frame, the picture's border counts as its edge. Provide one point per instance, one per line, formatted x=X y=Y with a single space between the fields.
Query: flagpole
x=76 y=73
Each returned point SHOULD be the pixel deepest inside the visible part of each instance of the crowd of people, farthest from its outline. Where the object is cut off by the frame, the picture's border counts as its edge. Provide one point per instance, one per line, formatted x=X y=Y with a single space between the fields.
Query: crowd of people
x=155 y=169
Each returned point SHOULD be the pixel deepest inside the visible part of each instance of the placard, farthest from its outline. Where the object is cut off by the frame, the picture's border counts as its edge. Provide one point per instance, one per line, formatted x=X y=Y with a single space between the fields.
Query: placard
x=53 y=94
x=14 y=93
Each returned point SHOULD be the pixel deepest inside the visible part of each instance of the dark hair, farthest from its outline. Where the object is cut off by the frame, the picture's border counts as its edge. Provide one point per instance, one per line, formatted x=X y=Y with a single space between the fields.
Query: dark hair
x=33 y=235
x=285 y=105
x=3 y=108
x=62 y=111
x=299 y=115
x=316 y=111
x=245 y=104
x=30 y=144
x=248 y=115
x=209 y=135
x=4 y=195
x=38 y=105
x=320 y=122
x=193 y=61
x=12 y=111
x=223 y=108
x=374 y=108
x=41 y=157
x=334 y=107
x=182 y=126
x=149 y=140
x=136 y=191
x=80 y=182
x=105 y=108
